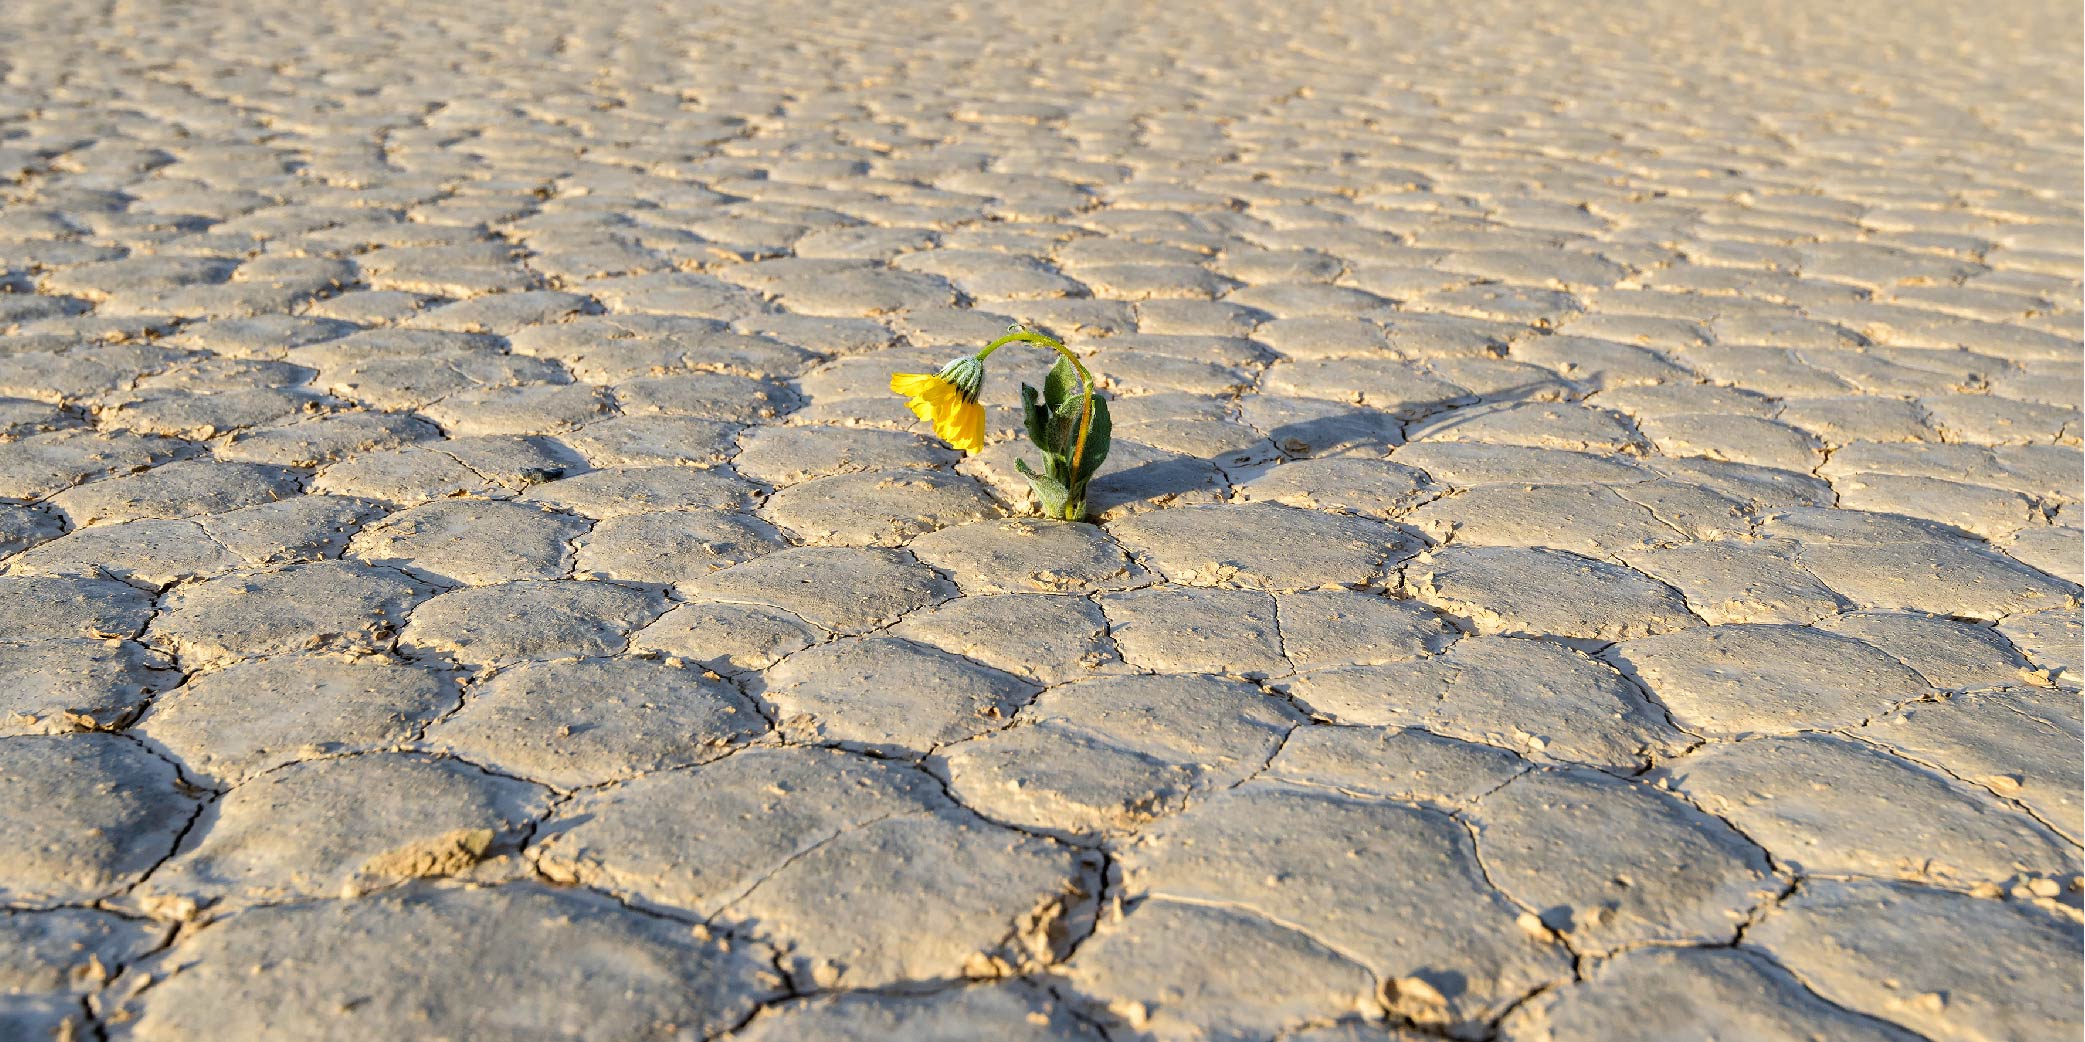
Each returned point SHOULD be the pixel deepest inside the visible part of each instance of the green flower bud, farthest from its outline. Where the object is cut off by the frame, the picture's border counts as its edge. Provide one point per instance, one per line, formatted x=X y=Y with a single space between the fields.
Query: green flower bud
x=965 y=374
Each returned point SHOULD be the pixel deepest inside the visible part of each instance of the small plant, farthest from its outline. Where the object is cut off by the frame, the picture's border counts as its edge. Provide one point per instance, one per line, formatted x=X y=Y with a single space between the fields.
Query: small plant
x=1072 y=429
x=1066 y=420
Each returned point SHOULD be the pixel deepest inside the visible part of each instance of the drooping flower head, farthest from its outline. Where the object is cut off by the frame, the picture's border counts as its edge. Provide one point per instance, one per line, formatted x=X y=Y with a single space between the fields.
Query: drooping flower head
x=948 y=400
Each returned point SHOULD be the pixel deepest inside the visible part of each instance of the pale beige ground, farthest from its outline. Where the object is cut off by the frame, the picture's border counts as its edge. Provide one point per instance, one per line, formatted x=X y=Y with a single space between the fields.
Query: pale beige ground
x=1591 y=550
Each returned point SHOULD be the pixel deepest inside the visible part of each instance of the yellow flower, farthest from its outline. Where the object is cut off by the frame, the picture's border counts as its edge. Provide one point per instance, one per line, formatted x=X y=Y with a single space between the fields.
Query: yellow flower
x=948 y=400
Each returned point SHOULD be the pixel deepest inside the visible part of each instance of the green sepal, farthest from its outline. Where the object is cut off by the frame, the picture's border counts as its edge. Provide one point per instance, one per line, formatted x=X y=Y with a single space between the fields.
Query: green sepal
x=1036 y=417
x=1048 y=489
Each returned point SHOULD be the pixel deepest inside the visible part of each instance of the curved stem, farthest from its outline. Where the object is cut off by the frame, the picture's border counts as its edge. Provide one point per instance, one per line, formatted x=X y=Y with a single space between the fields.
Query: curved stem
x=1078 y=452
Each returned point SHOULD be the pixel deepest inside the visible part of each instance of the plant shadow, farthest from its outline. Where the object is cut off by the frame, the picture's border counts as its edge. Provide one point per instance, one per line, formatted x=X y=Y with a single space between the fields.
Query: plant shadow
x=1328 y=428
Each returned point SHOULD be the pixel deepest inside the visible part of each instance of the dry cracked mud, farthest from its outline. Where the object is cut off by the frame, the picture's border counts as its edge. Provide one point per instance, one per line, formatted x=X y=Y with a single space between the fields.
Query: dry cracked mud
x=1591 y=550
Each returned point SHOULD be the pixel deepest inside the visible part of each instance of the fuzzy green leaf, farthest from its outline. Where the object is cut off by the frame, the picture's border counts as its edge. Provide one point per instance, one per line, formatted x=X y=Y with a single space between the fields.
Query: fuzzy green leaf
x=1064 y=425
x=1058 y=466
x=1098 y=438
x=1036 y=417
x=1062 y=385
x=1048 y=489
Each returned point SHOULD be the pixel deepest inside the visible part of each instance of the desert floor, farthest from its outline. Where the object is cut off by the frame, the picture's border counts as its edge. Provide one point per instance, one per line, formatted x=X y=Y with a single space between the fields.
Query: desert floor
x=1590 y=552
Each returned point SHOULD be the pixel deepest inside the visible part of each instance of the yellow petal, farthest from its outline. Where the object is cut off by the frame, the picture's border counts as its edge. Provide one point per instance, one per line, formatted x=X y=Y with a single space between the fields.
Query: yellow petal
x=914 y=384
x=970 y=428
x=948 y=425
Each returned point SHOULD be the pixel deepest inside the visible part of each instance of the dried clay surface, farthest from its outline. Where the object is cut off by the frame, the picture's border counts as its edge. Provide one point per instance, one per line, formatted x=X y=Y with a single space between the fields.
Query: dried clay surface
x=1590 y=552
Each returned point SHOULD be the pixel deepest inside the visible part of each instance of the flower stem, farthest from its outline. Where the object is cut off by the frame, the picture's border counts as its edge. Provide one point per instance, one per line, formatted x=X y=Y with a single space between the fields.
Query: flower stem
x=1078 y=452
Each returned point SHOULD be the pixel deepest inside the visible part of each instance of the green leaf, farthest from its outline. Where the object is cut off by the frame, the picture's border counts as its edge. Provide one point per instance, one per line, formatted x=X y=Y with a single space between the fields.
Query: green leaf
x=1048 y=489
x=1058 y=467
x=1097 y=441
x=1062 y=385
x=1064 y=425
x=1036 y=417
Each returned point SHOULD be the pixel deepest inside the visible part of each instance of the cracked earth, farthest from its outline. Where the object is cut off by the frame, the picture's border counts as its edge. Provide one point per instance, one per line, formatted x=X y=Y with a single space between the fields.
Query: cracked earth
x=1591 y=551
